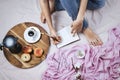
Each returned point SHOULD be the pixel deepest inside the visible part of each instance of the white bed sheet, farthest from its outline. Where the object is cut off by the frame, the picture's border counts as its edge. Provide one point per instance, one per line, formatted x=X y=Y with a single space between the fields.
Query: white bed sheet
x=13 y=12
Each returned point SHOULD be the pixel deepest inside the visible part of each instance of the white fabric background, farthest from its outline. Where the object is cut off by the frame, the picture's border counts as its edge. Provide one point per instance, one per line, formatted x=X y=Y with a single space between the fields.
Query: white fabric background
x=13 y=12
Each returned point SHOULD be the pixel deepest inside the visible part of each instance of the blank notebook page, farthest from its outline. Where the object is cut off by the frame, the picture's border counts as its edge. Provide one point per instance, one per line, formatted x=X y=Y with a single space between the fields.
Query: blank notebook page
x=66 y=36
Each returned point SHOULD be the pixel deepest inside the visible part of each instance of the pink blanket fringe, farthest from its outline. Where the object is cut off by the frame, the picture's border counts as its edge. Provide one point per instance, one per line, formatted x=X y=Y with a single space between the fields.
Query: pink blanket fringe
x=99 y=63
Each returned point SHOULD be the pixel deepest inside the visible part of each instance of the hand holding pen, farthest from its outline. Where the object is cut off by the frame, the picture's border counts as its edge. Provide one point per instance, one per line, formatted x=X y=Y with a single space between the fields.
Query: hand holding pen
x=55 y=39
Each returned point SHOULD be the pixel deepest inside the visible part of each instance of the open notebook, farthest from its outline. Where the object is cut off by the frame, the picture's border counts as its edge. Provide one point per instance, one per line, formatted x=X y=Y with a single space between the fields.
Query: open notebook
x=66 y=36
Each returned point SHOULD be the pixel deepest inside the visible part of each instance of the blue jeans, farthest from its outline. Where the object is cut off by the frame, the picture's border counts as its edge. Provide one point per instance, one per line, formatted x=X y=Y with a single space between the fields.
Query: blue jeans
x=72 y=7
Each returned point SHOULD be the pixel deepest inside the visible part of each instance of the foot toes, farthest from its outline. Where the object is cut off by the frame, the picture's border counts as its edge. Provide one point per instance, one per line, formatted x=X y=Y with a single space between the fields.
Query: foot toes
x=92 y=37
x=92 y=43
x=99 y=41
x=95 y=42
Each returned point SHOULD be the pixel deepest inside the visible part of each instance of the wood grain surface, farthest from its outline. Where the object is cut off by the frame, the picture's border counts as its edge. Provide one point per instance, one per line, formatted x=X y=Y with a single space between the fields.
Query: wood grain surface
x=18 y=31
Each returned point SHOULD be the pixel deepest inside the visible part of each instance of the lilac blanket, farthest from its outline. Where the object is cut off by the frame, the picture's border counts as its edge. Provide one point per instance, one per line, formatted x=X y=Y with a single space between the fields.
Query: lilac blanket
x=99 y=63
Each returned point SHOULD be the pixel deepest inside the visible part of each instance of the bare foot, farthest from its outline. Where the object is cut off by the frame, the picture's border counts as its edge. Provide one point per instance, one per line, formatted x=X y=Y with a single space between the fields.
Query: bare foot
x=92 y=38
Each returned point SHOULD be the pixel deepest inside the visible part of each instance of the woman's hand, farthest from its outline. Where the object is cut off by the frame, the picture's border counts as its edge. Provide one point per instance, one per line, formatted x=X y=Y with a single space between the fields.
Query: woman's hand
x=77 y=26
x=56 y=39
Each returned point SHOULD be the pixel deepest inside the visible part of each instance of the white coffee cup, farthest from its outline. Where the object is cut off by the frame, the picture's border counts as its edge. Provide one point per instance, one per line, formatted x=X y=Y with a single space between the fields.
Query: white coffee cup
x=32 y=33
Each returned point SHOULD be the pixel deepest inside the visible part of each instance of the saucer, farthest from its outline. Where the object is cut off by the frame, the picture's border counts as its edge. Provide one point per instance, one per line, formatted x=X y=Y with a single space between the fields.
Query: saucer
x=32 y=39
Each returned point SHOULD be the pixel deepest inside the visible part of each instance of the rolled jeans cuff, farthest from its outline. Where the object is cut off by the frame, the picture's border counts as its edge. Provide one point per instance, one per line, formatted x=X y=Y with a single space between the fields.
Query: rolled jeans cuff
x=85 y=24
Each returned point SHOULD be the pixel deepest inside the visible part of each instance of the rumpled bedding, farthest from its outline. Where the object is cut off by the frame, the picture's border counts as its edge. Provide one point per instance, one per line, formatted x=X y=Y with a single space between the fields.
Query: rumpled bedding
x=99 y=63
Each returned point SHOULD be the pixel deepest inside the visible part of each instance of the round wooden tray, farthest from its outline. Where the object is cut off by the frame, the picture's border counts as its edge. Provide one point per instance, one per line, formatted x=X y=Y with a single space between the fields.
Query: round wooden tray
x=18 y=31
